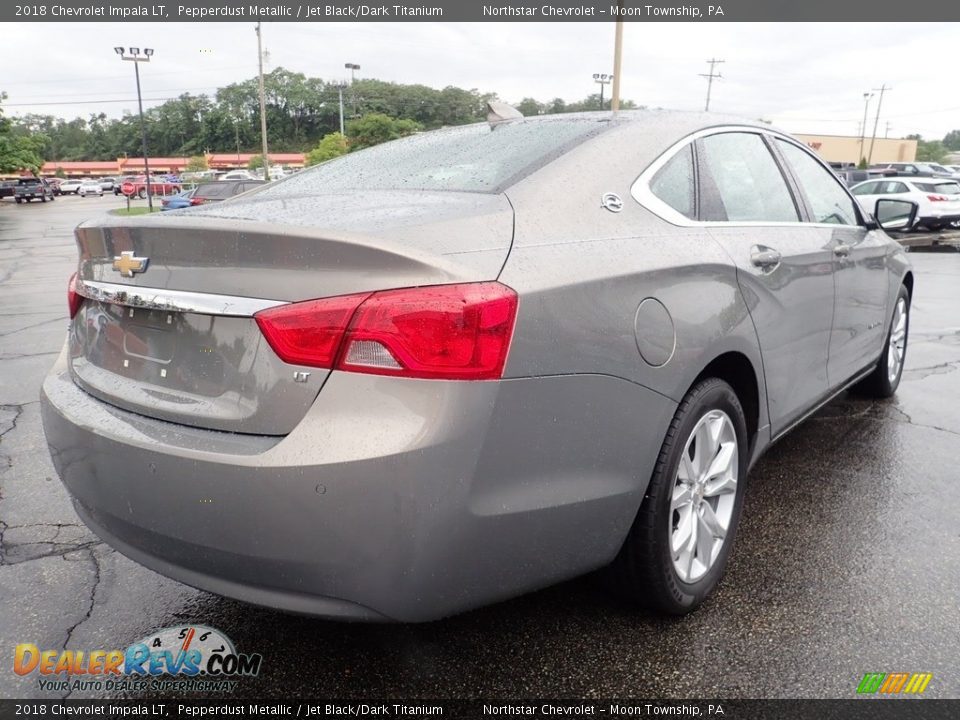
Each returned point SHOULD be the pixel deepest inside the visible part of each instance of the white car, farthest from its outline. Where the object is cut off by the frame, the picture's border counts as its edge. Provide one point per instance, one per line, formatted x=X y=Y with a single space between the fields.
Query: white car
x=70 y=187
x=238 y=175
x=938 y=199
x=90 y=187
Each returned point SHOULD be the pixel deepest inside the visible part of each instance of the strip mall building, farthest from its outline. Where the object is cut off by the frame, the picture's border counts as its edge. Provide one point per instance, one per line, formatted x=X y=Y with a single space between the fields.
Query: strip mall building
x=847 y=149
x=160 y=165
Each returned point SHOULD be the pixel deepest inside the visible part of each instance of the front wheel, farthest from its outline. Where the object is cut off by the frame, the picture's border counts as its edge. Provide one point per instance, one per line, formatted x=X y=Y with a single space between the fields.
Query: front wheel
x=885 y=379
x=677 y=549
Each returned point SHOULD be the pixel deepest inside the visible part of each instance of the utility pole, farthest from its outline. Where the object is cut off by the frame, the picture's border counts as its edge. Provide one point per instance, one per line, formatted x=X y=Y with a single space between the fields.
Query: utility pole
x=713 y=62
x=886 y=133
x=882 y=89
x=617 y=55
x=863 y=127
x=340 y=86
x=263 y=111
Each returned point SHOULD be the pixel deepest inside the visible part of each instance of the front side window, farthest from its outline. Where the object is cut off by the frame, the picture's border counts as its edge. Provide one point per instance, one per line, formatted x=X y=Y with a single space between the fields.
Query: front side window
x=746 y=180
x=674 y=183
x=828 y=200
x=867 y=188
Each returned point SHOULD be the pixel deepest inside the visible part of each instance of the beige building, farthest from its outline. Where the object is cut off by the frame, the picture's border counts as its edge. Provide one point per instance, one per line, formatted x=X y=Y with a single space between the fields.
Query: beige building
x=846 y=149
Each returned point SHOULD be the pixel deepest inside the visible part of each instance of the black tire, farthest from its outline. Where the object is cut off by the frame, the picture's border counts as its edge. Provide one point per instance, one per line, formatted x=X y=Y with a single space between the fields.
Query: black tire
x=644 y=569
x=19 y=200
x=43 y=198
x=142 y=193
x=879 y=384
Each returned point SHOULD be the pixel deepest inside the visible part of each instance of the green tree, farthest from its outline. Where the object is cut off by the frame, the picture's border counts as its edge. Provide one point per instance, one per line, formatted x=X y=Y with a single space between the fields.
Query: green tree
x=951 y=140
x=60 y=173
x=255 y=162
x=529 y=107
x=332 y=145
x=929 y=150
x=377 y=128
x=197 y=163
x=19 y=151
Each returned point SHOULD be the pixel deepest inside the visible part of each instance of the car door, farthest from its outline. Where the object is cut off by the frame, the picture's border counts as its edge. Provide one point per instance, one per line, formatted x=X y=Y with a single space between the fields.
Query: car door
x=860 y=264
x=784 y=266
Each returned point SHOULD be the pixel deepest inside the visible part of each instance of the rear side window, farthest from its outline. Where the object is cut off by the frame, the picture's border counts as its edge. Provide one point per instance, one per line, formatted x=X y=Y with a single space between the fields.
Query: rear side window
x=828 y=200
x=674 y=183
x=746 y=179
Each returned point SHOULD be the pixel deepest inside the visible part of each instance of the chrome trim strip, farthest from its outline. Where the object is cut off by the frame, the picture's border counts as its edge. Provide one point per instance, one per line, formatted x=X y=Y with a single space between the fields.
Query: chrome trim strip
x=174 y=300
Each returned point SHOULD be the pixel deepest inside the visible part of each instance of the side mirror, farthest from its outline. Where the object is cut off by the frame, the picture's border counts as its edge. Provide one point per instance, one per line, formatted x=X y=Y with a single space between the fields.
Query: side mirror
x=895 y=214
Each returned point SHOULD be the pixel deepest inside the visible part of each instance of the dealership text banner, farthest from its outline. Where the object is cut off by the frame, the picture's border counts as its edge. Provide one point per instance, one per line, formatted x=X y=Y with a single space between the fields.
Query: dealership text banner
x=473 y=11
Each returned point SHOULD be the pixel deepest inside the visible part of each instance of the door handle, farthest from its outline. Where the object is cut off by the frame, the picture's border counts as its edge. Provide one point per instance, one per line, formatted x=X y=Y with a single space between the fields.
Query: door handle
x=764 y=257
x=841 y=250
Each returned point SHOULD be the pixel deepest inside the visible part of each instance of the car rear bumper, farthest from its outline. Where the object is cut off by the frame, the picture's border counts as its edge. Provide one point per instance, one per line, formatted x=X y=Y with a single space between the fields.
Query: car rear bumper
x=393 y=499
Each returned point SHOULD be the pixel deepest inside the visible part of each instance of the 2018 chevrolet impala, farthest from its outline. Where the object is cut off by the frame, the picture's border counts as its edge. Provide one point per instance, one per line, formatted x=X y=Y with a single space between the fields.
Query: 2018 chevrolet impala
x=470 y=363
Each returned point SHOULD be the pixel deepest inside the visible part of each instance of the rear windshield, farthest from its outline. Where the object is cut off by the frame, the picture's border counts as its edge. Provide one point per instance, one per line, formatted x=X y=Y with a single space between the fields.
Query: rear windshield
x=472 y=158
x=29 y=181
x=944 y=188
x=217 y=189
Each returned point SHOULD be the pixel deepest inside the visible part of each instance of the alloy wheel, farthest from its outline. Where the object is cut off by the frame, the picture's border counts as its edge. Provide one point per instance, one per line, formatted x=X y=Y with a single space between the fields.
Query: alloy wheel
x=704 y=494
x=897 y=345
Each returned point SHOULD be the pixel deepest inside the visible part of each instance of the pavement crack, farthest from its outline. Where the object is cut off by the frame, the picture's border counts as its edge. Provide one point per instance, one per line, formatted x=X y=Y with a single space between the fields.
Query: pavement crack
x=93 y=602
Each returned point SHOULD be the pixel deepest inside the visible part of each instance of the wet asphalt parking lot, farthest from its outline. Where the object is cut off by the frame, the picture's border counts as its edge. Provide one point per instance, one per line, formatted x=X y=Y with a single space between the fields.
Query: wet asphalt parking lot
x=847 y=559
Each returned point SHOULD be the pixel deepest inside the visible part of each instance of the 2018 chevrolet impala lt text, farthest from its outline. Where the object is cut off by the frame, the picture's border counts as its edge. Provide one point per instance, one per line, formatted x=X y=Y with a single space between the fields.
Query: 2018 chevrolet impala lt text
x=470 y=363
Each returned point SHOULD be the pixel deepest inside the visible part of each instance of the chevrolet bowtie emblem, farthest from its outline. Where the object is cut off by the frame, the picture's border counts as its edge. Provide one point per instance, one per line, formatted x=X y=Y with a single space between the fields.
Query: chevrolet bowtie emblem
x=128 y=264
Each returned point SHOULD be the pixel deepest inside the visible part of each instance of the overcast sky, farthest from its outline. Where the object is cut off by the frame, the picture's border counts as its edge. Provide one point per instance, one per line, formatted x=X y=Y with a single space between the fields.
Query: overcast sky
x=805 y=77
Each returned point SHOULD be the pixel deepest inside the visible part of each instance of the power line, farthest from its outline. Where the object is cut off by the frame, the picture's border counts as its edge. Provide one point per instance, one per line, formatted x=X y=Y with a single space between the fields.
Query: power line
x=713 y=62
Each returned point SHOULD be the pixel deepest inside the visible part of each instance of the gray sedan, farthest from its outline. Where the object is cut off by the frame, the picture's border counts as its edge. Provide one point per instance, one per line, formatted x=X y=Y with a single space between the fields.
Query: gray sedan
x=467 y=364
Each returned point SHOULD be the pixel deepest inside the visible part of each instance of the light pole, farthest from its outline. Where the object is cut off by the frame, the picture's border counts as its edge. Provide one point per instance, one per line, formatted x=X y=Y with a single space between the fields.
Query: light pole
x=340 y=86
x=352 y=67
x=602 y=79
x=136 y=59
x=863 y=127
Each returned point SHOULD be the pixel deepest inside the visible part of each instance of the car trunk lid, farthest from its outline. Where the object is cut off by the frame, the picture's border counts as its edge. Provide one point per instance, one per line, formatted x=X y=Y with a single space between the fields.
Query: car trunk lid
x=167 y=328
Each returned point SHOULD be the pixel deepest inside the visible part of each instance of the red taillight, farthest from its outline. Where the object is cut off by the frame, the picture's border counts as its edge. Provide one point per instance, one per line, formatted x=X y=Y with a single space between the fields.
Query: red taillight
x=74 y=299
x=453 y=332
x=196 y=201
x=936 y=198
x=309 y=333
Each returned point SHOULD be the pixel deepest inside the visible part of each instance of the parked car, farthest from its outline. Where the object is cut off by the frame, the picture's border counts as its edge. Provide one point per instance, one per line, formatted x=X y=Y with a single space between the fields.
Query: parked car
x=221 y=190
x=472 y=362
x=179 y=201
x=70 y=187
x=158 y=186
x=238 y=175
x=28 y=189
x=851 y=176
x=90 y=187
x=7 y=188
x=108 y=183
x=915 y=169
x=938 y=199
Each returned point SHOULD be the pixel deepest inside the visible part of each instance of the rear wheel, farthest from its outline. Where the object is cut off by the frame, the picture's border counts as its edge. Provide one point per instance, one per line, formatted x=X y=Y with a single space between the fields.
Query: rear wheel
x=677 y=549
x=142 y=194
x=885 y=379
